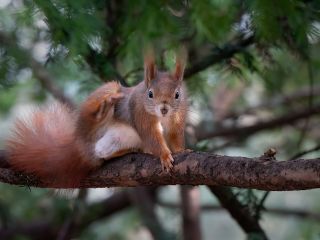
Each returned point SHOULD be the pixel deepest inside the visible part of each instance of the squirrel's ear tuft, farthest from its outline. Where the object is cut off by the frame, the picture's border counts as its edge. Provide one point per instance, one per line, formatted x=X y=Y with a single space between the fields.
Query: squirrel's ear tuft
x=181 y=59
x=150 y=69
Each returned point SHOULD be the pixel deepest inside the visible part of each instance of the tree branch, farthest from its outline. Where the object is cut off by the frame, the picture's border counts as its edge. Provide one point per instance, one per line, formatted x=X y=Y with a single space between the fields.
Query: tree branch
x=238 y=211
x=280 y=100
x=304 y=152
x=39 y=71
x=195 y=168
x=142 y=199
x=69 y=226
x=217 y=55
x=36 y=230
x=190 y=206
x=283 y=120
x=278 y=211
x=98 y=62
x=48 y=229
x=47 y=82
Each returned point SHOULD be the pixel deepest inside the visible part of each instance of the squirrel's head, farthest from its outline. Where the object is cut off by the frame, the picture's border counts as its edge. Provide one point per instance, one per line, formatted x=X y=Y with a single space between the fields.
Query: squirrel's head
x=164 y=94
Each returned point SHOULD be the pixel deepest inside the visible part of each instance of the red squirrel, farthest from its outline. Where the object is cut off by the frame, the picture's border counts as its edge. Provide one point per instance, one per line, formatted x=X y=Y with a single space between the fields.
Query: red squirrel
x=156 y=108
x=62 y=146
x=58 y=144
x=151 y=115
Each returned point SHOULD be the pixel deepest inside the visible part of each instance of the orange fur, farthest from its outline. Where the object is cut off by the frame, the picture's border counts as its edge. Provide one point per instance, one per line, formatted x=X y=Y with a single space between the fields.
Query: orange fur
x=55 y=143
x=43 y=145
x=58 y=145
x=161 y=133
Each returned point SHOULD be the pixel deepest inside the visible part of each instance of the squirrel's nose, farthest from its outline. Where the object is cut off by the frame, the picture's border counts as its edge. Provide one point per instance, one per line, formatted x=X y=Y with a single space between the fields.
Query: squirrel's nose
x=164 y=111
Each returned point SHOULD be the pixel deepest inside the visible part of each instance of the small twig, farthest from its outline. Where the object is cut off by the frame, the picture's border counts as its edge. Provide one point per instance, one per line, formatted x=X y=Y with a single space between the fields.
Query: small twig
x=121 y=79
x=47 y=83
x=277 y=101
x=217 y=55
x=97 y=62
x=266 y=194
x=283 y=120
x=269 y=210
x=310 y=105
x=302 y=153
x=260 y=206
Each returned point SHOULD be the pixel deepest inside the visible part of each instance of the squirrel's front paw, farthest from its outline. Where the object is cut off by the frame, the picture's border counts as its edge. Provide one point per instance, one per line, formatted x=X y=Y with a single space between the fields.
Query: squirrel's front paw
x=166 y=161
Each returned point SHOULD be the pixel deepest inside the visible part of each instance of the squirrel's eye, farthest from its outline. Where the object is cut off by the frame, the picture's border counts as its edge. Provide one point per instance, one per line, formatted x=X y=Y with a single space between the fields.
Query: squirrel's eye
x=150 y=94
x=177 y=95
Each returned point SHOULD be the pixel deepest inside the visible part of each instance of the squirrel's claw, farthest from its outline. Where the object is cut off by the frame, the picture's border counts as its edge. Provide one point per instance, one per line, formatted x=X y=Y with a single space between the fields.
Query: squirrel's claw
x=166 y=162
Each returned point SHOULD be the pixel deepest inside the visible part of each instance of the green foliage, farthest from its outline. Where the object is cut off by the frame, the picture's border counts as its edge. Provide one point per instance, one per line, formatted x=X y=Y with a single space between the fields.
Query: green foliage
x=79 y=29
x=255 y=236
x=214 y=19
x=82 y=44
x=285 y=21
x=71 y=23
x=7 y=99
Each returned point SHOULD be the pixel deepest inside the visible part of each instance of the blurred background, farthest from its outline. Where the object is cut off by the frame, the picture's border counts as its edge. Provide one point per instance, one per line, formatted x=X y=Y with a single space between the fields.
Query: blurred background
x=253 y=80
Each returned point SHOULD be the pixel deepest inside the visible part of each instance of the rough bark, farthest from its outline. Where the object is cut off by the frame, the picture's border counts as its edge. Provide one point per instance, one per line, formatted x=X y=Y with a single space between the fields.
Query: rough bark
x=193 y=168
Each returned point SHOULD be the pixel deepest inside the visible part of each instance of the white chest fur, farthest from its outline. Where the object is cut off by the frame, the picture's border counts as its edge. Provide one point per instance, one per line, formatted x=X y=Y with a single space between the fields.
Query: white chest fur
x=164 y=124
x=117 y=137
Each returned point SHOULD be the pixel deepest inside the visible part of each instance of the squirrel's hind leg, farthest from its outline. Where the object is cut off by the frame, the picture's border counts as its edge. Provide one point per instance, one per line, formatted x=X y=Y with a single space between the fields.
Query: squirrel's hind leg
x=118 y=140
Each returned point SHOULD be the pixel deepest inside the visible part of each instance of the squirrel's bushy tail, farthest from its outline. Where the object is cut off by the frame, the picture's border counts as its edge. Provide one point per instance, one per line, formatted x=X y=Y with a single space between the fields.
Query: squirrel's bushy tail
x=44 y=144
